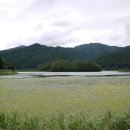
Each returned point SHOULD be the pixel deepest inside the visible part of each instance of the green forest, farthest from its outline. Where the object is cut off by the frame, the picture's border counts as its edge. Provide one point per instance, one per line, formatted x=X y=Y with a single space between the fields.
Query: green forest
x=72 y=65
x=29 y=57
x=4 y=65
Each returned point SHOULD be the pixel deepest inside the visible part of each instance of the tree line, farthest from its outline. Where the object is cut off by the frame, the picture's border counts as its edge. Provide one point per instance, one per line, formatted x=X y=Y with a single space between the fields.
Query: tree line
x=5 y=65
x=71 y=65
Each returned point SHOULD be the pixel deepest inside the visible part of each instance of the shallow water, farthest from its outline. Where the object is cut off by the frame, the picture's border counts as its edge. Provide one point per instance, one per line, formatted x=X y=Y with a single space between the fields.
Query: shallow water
x=47 y=74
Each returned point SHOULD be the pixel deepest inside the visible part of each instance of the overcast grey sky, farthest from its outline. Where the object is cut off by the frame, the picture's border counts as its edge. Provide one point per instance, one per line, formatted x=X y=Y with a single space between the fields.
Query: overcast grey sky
x=64 y=22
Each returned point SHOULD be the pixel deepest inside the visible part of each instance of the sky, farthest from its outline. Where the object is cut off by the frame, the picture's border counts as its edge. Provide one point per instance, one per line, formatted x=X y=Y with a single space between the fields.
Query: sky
x=66 y=23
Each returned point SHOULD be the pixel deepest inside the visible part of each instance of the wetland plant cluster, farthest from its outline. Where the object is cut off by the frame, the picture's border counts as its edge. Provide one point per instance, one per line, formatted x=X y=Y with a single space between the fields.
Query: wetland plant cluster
x=80 y=121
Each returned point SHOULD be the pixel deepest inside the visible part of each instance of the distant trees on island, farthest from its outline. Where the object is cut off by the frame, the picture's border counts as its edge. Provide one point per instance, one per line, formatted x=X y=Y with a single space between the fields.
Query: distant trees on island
x=68 y=66
x=4 y=65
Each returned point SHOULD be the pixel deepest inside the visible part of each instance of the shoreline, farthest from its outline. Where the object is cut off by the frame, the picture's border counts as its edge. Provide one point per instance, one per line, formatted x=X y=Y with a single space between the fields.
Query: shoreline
x=20 y=76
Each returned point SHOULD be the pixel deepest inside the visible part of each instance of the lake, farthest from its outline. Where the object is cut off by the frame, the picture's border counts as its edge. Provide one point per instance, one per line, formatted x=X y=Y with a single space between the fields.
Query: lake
x=47 y=74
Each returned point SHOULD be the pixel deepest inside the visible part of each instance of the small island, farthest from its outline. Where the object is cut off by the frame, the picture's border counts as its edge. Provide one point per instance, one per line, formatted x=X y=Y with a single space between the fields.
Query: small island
x=70 y=66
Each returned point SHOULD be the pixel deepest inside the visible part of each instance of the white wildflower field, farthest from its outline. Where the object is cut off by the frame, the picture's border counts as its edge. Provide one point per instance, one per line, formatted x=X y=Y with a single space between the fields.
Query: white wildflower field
x=67 y=94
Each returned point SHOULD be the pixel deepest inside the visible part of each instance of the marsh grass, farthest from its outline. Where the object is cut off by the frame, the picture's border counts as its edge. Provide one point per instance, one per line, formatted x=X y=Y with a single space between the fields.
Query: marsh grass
x=61 y=100
x=124 y=70
x=7 y=72
x=65 y=94
x=80 y=121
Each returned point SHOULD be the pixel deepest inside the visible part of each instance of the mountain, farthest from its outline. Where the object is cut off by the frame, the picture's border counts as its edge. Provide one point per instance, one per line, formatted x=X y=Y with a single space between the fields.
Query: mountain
x=93 y=50
x=118 y=59
x=29 y=57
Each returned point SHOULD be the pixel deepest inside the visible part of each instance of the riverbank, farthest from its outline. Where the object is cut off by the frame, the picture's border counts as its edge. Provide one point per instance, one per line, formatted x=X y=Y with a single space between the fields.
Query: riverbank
x=7 y=72
x=124 y=70
x=55 y=74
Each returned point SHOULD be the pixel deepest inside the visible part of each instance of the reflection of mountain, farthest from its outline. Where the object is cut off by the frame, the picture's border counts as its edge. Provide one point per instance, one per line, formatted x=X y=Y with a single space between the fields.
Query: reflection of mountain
x=28 y=57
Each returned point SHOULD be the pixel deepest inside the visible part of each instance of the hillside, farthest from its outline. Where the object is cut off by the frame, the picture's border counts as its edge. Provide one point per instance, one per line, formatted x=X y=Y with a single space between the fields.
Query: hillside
x=118 y=59
x=29 y=57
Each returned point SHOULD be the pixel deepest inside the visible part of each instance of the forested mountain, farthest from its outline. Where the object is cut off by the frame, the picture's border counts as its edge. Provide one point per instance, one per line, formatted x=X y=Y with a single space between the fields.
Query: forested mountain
x=93 y=50
x=118 y=59
x=29 y=57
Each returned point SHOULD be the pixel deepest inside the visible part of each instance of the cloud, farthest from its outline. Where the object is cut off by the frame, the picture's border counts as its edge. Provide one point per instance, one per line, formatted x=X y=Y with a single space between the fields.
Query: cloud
x=121 y=32
x=64 y=22
x=127 y=26
x=57 y=37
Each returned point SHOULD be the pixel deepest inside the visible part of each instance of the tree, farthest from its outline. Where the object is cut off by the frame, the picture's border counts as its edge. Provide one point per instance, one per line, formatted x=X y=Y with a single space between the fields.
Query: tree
x=2 y=64
x=5 y=65
x=73 y=65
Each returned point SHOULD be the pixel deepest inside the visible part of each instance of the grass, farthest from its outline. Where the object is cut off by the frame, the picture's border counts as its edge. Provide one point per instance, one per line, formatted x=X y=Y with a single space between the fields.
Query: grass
x=80 y=121
x=124 y=70
x=65 y=103
x=7 y=72
x=73 y=94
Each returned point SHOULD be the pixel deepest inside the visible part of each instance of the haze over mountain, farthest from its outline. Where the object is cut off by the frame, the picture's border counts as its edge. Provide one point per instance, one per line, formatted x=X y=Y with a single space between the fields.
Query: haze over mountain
x=29 y=57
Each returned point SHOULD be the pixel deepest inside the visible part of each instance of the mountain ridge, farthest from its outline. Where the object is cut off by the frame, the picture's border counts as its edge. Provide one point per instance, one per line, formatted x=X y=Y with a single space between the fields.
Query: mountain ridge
x=29 y=57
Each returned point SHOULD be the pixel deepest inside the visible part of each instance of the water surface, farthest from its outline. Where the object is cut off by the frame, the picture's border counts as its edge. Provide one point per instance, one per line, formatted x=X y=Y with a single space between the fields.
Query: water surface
x=47 y=74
